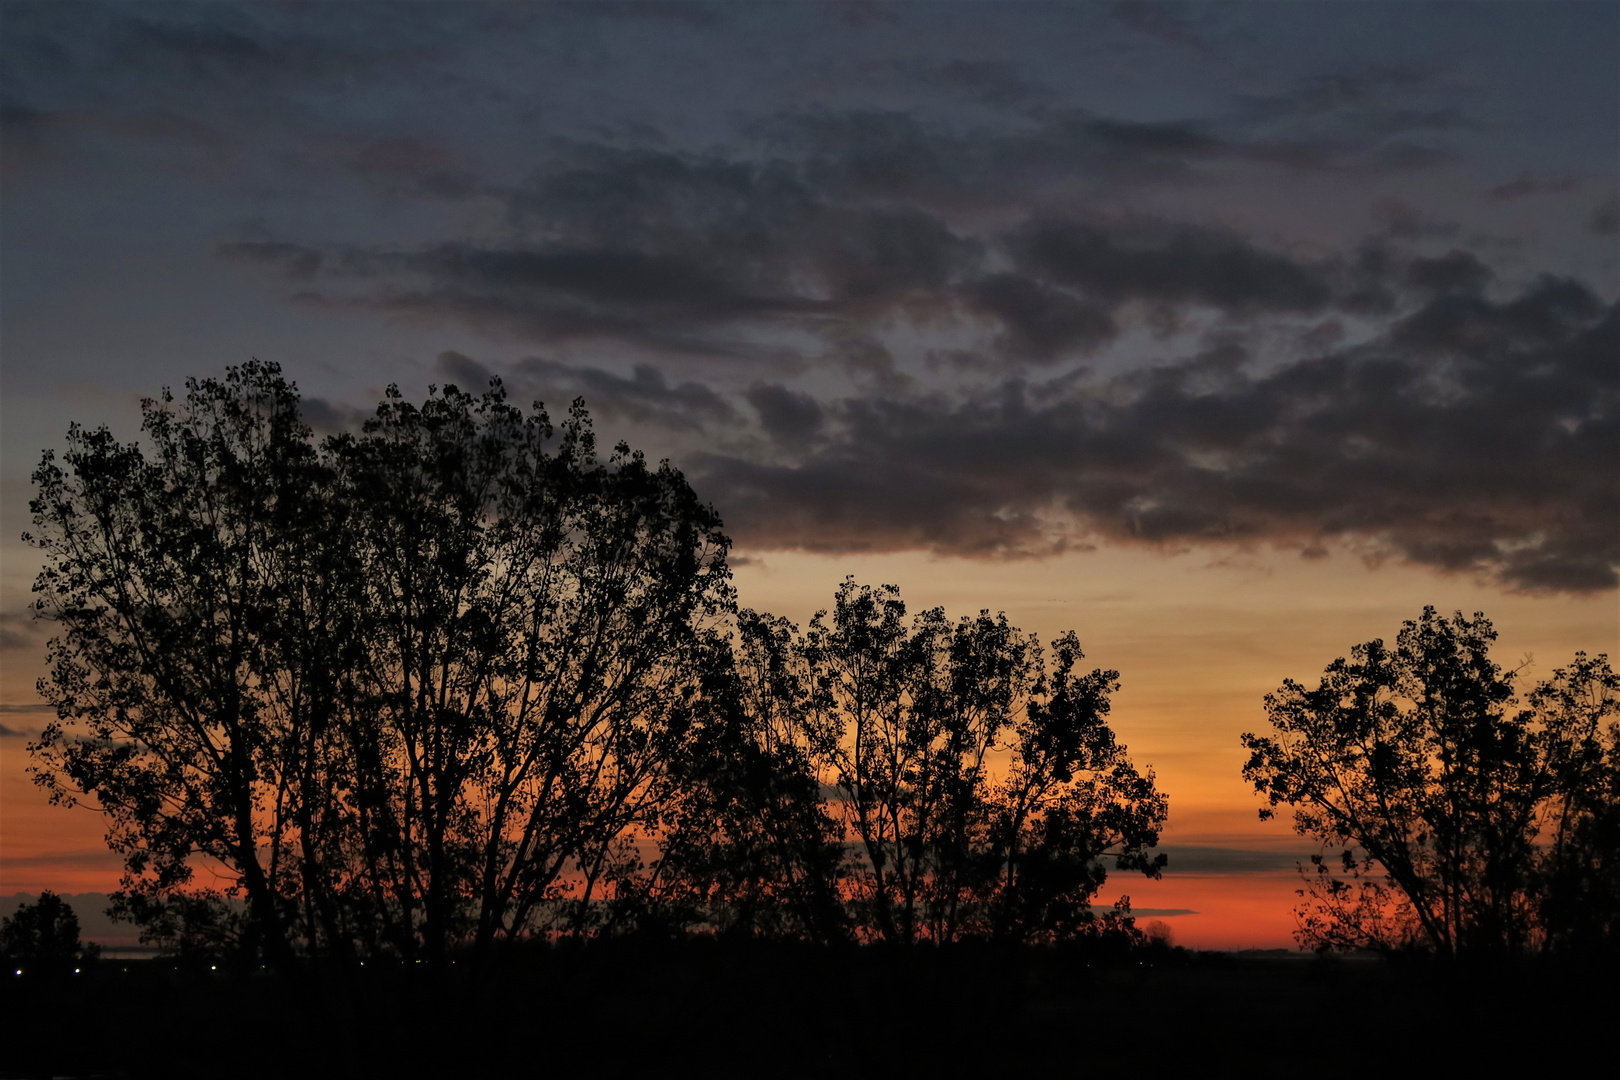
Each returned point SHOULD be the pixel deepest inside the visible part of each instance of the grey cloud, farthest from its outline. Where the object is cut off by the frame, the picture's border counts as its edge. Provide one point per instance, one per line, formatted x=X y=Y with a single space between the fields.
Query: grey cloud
x=1177 y=264
x=1605 y=219
x=995 y=82
x=18 y=632
x=667 y=285
x=1475 y=437
x=1202 y=859
x=831 y=271
x=652 y=247
x=467 y=373
x=402 y=166
x=299 y=261
x=1530 y=183
x=792 y=419
x=327 y=417
x=1039 y=323
x=645 y=397
x=1159 y=20
x=828 y=223
x=1455 y=271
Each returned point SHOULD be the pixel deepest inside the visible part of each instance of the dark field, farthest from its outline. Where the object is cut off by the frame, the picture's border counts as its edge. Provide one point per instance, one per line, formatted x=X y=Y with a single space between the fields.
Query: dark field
x=700 y=1010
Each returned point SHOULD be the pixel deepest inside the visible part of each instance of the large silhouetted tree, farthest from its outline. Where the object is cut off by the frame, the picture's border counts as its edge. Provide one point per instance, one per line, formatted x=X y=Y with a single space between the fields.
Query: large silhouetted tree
x=531 y=619
x=175 y=573
x=904 y=719
x=1440 y=794
x=405 y=689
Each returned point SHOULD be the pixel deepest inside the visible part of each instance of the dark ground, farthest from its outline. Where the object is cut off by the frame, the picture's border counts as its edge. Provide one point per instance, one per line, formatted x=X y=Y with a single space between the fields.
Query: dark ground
x=767 y=1012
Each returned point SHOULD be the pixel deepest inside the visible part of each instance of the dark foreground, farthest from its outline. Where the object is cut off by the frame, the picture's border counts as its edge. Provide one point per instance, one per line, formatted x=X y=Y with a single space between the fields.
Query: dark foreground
x=768 y=1012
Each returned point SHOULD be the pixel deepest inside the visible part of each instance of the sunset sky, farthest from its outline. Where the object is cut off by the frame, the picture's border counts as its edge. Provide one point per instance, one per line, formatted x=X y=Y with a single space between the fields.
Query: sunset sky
x=1227 y=335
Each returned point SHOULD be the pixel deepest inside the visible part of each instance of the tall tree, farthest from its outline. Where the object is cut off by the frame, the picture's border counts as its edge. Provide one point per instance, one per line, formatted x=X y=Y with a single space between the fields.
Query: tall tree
x=404 y=689
x=533 y=616
x=1070 y=800
x=905 y=723
x=1415 y=764
x=175 y=572
x=1578 y=900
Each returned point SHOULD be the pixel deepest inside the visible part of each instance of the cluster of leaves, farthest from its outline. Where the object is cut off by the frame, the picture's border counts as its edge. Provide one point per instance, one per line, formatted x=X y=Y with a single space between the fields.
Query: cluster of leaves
x=1466 y=821
x=453 y=680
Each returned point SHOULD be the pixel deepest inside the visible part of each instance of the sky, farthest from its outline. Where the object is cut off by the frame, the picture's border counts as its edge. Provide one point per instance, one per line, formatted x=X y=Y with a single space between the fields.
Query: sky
x=1227 y=335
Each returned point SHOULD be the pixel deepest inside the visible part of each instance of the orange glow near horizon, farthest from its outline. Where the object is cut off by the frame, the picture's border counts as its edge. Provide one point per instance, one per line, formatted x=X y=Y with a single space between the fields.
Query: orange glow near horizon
x=1197 y=642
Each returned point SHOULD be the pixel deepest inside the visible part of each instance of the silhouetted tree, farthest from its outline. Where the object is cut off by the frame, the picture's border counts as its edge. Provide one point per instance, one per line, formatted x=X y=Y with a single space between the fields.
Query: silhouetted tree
x=745 y=844
x=174 y=574
x=407 y=687
x=1579 y=882
x=904 y=720
x=532 y=618
x=43 y=938
x=1416 y=765
x=1070 y=798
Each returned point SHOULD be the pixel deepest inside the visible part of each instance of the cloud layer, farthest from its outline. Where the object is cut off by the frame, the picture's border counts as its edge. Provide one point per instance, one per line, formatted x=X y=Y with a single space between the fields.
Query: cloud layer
x=880 y=286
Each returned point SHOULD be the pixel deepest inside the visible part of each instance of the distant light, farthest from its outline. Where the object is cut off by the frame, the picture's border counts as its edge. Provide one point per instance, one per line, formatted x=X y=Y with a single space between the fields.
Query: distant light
x=211 y=967
x=75 y=971
x=19 y=971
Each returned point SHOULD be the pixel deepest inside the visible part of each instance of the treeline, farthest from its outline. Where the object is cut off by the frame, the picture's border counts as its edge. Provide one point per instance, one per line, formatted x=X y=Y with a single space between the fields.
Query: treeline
x=453 y=681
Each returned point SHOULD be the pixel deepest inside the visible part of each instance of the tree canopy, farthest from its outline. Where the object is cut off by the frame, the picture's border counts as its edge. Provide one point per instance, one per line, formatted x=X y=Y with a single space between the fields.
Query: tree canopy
x=1456 y=817
x=42 y=938
x=453 y=680
x=393 y=683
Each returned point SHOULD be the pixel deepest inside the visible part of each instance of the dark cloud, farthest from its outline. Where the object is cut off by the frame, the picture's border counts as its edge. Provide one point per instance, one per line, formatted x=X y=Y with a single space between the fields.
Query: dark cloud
x=299 y=261
x=1605 y=219
x=1038 y=322
x=327 y=417
x=19 y=632
x=1202 y=859
x=627 y=270
x=792 y=419
x=998 y=83
x=406 y=166
x=645 y=397
x=1175 y=264
x=1530 y=183
x=1476 y=437
x=1455 y=271
x=1164 y=21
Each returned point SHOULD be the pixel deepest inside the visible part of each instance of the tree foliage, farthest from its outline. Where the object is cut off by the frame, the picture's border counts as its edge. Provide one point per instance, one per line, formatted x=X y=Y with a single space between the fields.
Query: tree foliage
x=1465 y=820
x=983 y=790
x=42 y=938
x=390 y=685
x=452 y=680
